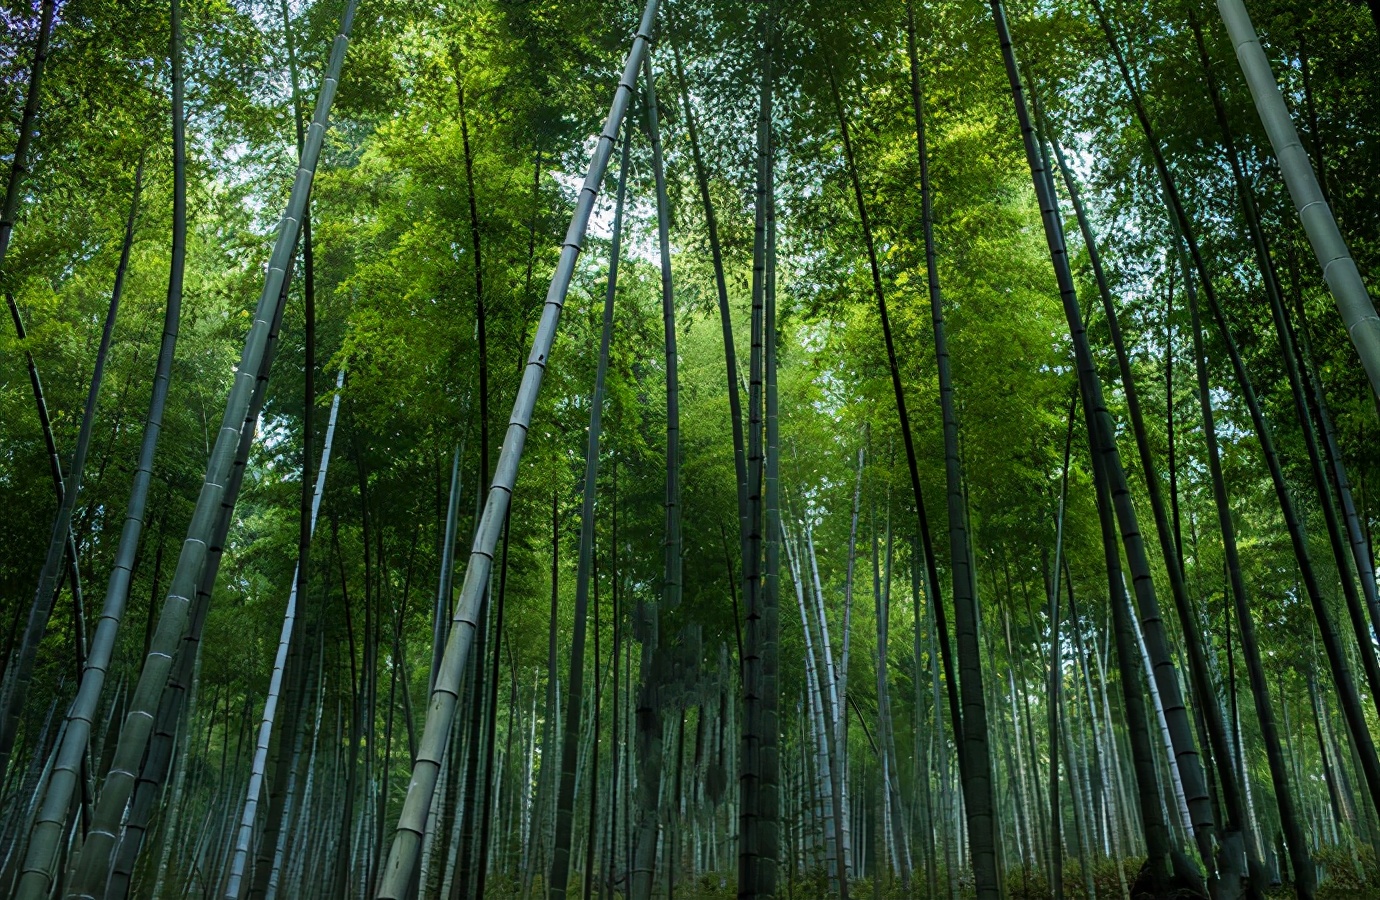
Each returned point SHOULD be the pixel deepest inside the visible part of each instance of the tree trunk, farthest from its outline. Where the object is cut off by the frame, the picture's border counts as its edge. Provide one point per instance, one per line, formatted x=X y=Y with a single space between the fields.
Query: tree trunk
x=486 y=822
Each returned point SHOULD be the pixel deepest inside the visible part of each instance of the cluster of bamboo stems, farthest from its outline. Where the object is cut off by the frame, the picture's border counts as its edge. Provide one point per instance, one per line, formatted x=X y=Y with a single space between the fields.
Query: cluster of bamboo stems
x=782 y=802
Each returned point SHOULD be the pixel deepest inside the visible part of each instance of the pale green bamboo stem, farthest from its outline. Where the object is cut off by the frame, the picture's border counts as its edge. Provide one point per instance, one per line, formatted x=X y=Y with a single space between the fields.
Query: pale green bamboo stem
x=93 y=863
x=1339 y=269
x=445 y=695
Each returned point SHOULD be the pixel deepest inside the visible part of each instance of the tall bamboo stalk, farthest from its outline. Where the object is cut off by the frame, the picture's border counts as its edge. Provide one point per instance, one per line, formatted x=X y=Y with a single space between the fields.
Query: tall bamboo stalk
x=565 y=798
x=441 y=609
x=756 y=835
x=1056 y=674
x=1304 y=878
x=842 y=810
x=1338 y=268
x=478 y=692
x=655 y=649
x=60 y=542
x=94 y=859
x=169 y=718
x=40 y=866
x=45 y=423
x=445 y=695
x=974 y=762
x=1101 y=438
x=886 y=735
x=824 y=764
x=244 y=839
x=297 y=661
x=735 y=403
x=770 y=791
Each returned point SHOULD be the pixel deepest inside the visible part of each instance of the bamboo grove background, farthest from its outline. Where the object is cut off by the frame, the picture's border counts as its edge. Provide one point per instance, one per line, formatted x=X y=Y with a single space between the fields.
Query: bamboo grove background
x=842 y=551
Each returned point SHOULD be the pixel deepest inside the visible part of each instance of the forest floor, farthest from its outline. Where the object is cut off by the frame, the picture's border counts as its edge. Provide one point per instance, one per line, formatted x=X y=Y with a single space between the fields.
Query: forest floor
x=1343 y=876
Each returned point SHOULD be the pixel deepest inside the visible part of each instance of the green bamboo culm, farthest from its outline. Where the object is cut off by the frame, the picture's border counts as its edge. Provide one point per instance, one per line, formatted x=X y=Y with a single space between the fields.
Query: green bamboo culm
x=244 y=840
x=45 y=423
x=19 y=164
x=1108 y=460
x=92 y=864
x=9 y=212
x=757 y=838
x=1304 y=877
x=402 y=857
x=650 y=705
x=61 y=541
x=711 y=223
x=565 y=801
x=961 y=565
x=40 y=864
x=1339 y=269
x=181 y=681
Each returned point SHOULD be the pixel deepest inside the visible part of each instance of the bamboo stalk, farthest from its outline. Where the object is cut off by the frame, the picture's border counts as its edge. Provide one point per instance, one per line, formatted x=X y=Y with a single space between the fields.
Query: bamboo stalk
x=244 y=840
x=1338 y=268
x=93 y=862
x=398 y=873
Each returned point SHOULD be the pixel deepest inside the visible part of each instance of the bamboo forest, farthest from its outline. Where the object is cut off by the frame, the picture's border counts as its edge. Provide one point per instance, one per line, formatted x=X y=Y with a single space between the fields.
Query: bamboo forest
x=689 y=449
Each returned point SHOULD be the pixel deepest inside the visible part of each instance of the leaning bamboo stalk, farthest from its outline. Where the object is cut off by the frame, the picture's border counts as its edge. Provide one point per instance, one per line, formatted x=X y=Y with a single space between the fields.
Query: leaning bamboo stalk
x=93 y=862
x=36 y=776
x=244 y=839
x=39 y=868
x=60 y=541
x=1102 y=439
x=159 y=757
x=1339 y=269
x=445 y=695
